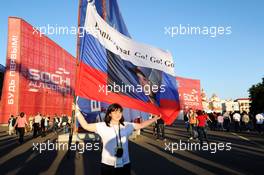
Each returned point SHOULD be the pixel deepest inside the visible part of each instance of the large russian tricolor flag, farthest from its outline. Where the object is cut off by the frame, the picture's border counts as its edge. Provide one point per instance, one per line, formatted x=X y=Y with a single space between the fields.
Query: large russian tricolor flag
x=116 y=69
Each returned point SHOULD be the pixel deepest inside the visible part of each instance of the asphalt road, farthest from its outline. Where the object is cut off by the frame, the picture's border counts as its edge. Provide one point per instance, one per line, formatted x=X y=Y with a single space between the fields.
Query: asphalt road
x=227 y=153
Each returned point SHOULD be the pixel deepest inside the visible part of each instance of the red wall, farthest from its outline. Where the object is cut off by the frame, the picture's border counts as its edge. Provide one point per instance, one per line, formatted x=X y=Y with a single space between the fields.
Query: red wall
x=39 y=75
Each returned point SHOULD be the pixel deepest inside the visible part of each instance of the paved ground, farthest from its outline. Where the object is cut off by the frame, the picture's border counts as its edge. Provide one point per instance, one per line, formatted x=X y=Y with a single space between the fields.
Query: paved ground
x=147 y=155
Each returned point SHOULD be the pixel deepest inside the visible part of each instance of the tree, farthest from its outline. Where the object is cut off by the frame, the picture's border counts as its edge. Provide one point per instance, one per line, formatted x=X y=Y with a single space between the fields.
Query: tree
x=256 y=93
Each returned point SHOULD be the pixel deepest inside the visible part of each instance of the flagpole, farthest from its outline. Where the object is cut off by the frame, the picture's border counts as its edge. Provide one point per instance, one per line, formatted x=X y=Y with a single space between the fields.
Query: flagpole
x=104 y=14
x=73 y=123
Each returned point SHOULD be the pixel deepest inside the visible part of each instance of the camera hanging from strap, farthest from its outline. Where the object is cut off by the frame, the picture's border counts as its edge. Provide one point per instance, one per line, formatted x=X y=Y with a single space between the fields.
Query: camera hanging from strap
x=119 y=149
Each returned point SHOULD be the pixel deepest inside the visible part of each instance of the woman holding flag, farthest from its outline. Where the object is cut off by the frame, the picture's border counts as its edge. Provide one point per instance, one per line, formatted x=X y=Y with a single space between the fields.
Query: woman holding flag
x=114 y=133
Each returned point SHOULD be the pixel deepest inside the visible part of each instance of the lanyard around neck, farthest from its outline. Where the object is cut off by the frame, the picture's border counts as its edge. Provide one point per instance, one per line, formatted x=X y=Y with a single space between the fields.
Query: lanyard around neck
x=116 y=136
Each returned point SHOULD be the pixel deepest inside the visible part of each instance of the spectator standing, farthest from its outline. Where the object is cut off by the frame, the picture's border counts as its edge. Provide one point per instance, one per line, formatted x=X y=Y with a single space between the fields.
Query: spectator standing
x=11 y=124
x=202 y=119
x=227 y=121
x=259 y=122
x=21 y=124
x=220 y=122
x=236 y=119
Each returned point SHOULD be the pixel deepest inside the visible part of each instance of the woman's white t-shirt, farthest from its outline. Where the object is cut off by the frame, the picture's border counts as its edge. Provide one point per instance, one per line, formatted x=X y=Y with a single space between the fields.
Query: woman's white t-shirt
x=108 y=136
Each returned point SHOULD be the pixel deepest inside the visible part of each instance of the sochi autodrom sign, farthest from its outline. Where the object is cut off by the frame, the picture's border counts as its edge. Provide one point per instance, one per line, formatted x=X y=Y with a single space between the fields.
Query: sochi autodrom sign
x=58 y=81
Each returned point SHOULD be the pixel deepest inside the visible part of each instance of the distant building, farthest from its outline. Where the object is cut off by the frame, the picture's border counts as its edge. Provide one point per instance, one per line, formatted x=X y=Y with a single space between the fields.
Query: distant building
x=227 y=105
x=230 y=105
x=2 y=73
x=205 y=102
x=215 y=104
x=2 y=68
x=244 y=104
x=235 y=106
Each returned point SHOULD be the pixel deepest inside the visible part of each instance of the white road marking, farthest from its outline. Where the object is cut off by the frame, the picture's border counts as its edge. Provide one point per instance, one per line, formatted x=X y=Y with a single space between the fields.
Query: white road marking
x=244 y=138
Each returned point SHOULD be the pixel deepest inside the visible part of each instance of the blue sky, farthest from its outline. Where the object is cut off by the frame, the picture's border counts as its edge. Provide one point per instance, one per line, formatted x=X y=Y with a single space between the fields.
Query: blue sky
x=226 y=65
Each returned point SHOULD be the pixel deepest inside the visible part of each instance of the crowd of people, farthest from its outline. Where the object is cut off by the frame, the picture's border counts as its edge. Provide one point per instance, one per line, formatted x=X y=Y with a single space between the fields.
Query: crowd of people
x=115 y=157
x=38 y=125
x=196 y=121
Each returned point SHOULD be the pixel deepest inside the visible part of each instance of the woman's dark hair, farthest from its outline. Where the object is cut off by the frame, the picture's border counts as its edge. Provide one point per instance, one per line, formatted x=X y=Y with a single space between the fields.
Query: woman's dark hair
x=111 y=108
x=22 y=114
